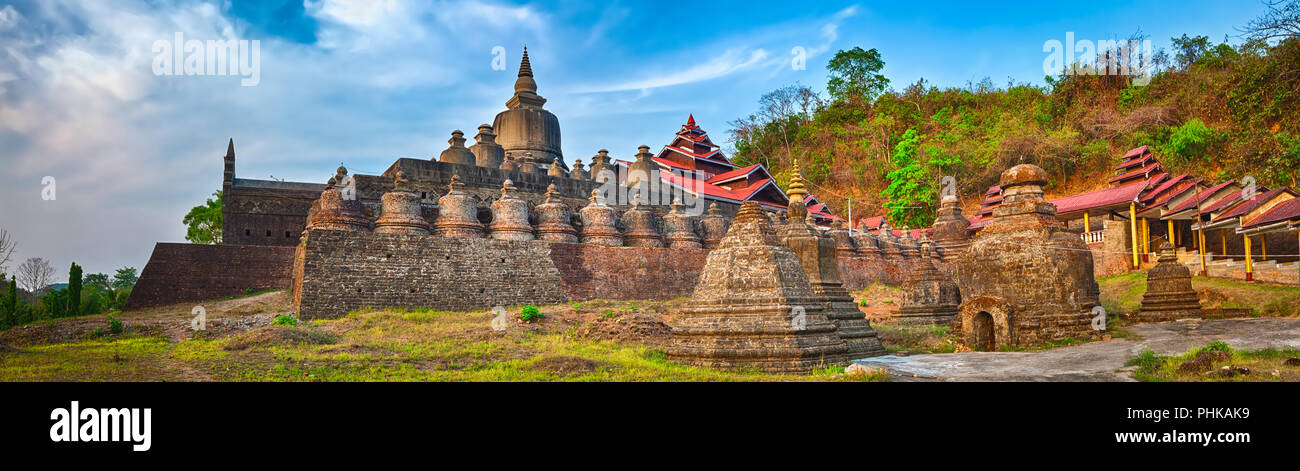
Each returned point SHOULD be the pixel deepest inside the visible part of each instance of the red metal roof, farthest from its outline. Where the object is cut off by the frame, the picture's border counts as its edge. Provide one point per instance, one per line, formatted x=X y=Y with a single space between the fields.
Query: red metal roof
x=1099 y=198
x=1136 y=151
x=1287 y=210
x=1167 y=190
x=1134 y=162
x=1250 y=205
x=740 y=172
x=1136 y=173
x=1195 y=200
x=1232 y=198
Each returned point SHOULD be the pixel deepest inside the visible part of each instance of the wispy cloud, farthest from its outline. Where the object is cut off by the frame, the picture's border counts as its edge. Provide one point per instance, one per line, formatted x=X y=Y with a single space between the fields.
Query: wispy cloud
x=720 y=66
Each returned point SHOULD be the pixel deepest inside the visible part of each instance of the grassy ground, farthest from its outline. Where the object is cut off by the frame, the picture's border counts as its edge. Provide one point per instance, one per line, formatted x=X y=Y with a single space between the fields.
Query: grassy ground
x=594 y=341
x=1122 y=294
x=1230 y=366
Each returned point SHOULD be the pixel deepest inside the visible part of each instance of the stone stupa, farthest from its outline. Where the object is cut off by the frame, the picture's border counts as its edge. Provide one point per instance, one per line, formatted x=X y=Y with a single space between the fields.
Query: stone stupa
x=819 y=256
x=928 y=296
x=1169 y=295
x=754 y=307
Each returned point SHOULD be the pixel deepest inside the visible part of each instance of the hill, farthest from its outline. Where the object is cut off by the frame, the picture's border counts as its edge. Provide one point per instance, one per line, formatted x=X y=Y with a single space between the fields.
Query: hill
x=1218 y=111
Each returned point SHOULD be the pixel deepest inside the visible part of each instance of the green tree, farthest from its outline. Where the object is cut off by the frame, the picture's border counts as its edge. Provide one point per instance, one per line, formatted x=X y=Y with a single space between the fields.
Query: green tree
x=855 y=75
x=1190 y=49
x=74 y=289
x=911 y=187
x=125 y=278
x=203 y=222
x=10 y=307
x=98 y=280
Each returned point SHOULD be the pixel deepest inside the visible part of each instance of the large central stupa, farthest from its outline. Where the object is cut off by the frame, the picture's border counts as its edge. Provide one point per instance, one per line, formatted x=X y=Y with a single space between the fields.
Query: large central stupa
x=526 y=131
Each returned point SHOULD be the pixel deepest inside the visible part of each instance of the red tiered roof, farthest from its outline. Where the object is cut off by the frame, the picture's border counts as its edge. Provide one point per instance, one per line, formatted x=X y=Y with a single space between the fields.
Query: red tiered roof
x=1100 y=198
x=1200 y=197
x=1287 y=210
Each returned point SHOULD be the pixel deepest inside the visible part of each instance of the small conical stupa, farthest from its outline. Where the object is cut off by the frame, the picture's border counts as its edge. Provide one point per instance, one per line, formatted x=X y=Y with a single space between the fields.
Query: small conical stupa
x=754 y=307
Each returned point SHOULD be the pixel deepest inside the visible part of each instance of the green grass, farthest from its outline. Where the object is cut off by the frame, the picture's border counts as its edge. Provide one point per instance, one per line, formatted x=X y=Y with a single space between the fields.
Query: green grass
x=1266 y=365
x=368 y=345
x=1122 y=294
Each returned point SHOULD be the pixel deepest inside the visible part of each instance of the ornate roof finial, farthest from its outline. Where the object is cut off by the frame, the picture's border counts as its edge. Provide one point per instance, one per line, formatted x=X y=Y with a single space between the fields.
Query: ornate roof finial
x=525 y=68
x=507 y=189
x=455 y=184
x=690 y=121
x=550 y=193
x=797 y=190
x=399 y=181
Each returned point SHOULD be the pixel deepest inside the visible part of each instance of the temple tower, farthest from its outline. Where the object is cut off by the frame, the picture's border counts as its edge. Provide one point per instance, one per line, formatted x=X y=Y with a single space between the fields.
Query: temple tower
x=599 y=223
x=951 y=229
x=457 y=153
x=680 y=228
x=819 y=258
x=527 y=127
x=641 y=228
x=928 y=296
x=510 y=216
x=487 y=153
x=458 y=213
x=554 y=219
x=339 y=209
x=1169 y=295
x=713 y=227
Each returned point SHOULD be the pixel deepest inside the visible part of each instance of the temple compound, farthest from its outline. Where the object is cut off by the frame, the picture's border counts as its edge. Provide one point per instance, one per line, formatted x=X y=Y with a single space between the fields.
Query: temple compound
x=1025 y=280
x=1169 y=295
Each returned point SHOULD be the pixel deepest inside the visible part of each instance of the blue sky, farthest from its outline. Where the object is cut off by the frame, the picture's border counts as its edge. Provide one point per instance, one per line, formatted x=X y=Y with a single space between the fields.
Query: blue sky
x=366 y=82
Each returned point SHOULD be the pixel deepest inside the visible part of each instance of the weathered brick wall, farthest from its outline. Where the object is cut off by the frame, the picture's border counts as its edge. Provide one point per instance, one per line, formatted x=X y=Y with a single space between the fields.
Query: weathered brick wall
x=337 y=272
x=600 y=272
x=345 y=271
x=178 y=273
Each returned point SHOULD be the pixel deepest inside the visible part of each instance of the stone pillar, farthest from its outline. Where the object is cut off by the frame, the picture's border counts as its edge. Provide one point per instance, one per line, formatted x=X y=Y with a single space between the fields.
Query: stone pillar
x=928 y=296
x=641 y=228
x=401 y=210
x=458 y=213
x=487 y=153
x=510 y=216
x=554 y=219
x=599 y=223
x=713 y=226
x=556 y=171
x=578 y=173
x=843 y=242
x=754 y=307
x=951 y=229
x=680 y=228
x=526 y=163
x=601 y=170
x=643 y=175
x=338 y=208
x=867 y=243
x=908 y=246
x=457 y=153
x=887 y=242
x=509 y=163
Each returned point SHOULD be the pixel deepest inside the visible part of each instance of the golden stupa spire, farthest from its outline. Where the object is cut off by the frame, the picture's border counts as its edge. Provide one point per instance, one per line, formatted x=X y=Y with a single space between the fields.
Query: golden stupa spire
x=797 y=190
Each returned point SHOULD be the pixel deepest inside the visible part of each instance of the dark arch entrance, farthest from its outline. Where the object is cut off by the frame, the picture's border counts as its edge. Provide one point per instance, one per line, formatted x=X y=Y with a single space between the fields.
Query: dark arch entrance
x=983 y=328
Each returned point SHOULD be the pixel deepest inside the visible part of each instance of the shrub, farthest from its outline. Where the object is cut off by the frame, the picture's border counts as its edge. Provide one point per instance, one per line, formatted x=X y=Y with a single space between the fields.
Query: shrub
x=530 y=313
x=284 y=319
x=114 y=324
x=1217 y=346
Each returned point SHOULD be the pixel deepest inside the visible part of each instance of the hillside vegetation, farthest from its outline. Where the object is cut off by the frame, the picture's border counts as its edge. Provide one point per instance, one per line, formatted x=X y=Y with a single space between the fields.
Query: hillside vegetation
x=1219 y=111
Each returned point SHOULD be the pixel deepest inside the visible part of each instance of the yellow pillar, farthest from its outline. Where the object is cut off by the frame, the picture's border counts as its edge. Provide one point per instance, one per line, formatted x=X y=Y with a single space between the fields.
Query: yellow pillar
x=1086 y=226
x=1200 y=239
x=1263 y=247
x=1250 y=268
x=1171 y=233
x=1146 y=238
x=1223 y=241
x=1133 y=229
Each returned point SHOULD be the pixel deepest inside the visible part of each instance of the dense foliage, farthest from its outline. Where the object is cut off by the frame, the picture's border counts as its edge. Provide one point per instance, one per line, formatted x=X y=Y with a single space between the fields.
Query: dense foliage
x=203 y=222
x=1220 y=111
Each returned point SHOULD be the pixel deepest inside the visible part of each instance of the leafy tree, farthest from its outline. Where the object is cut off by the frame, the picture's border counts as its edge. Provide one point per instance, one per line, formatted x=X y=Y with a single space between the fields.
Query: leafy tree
x=1190 y=49
x=855 y=75
x=125 y=278
x=1190 y=141
x=203 y=222
x=74 y=289
x=98 y=280
x=911 y=187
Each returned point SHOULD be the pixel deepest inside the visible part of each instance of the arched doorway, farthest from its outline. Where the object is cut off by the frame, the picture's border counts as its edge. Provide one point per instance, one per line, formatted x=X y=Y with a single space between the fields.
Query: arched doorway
x=982 y=326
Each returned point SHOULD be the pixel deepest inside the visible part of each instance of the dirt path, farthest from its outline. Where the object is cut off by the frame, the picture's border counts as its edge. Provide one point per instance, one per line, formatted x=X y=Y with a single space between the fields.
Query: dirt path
x=1098 y=361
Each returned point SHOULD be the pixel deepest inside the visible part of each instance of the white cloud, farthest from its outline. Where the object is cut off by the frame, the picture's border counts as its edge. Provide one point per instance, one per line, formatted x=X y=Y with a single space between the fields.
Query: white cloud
x=9 y=17
x=729 y=62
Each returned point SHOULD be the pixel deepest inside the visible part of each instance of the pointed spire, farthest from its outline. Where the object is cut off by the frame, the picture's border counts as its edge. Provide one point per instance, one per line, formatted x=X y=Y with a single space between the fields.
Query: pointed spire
x=690 y=121
x=797 y=190
x=230 y=148
x=525 y=68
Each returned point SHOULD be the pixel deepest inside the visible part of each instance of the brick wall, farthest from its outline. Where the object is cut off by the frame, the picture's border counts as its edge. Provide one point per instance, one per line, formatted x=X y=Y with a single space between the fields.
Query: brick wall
x=337 y=272
x=178 y=273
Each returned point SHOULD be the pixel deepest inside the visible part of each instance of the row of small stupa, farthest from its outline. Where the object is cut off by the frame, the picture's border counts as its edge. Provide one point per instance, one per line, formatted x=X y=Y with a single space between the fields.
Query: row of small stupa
x=487 y=153
x=599 y=222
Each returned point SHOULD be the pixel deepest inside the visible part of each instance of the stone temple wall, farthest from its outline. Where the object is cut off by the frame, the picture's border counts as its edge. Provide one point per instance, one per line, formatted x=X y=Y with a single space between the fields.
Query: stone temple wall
x=338 y=272
x=178 y=273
